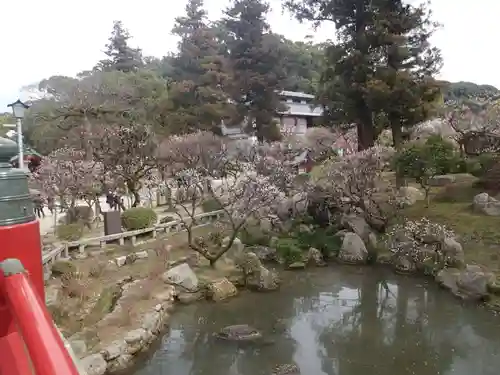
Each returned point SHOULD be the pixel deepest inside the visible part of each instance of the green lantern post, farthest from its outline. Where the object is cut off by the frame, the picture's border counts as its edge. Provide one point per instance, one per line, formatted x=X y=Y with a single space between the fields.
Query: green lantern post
x=16 y=205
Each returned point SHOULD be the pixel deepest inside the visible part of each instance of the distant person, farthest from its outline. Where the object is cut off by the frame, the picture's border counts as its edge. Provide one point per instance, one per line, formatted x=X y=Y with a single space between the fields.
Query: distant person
x=38 y=202
x=51 y=204
x=110 y=200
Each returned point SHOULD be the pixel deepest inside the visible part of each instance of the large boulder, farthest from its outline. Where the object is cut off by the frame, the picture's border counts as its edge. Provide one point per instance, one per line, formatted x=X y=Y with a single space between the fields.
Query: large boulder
x=356 y=224
x=183 y=276
x=353 y=249
x=237 y=247
x=470 y=283
x=485 y=204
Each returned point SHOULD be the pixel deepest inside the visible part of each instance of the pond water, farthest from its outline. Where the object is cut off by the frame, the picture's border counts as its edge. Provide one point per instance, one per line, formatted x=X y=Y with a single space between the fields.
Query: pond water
x=342 y=321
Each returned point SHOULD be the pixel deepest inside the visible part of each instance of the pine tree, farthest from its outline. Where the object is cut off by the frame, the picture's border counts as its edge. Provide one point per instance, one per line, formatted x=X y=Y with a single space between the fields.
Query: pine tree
x=405 y=90
x=256 y=72
x=197 y=97
x=120 y=55
x=344 y=87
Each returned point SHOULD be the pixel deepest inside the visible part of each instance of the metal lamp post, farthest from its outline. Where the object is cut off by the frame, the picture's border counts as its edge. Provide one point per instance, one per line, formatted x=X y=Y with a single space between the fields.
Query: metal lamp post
x=18 y=110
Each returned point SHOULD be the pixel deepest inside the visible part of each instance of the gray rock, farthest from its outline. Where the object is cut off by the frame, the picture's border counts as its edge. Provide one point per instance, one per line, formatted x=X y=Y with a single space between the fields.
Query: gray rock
x=183 y=276
x=356 y=224
x=120 y=363
x=221 y=290
x=236 y=248
x=79 y=347
x=52 y=295
x=471 y=283
x=136 y=340
x=152 y=322
x=262 y=280
x=486 y=205
x=114 y=350
x=165 y=295
x=135 y=336
x=453 y=251
x=189 y=297
x=315 y=257
x=142 y=254
x=94 y=364
x=353 y=249
x=296 y=266
x=120 y=261
x=409 y=195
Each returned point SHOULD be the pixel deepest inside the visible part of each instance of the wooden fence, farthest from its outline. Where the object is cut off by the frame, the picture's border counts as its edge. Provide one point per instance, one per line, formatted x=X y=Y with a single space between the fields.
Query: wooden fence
x=172 y=227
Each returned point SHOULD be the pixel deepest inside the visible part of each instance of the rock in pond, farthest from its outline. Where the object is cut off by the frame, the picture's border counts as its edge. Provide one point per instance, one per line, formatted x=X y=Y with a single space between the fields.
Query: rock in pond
x=221 y=289
x=239 y=332
x=470 y=283
x=287 y=369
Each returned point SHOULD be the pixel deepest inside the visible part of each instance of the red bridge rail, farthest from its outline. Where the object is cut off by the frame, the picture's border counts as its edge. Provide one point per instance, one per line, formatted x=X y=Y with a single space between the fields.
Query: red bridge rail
x=32 y=345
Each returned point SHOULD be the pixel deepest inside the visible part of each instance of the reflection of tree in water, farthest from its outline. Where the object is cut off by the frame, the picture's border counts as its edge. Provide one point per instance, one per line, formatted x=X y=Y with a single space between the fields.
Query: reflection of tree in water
x=369 y=346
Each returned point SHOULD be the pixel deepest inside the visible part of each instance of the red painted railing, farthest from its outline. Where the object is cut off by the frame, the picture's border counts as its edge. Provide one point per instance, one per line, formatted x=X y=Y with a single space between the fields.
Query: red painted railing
x=34 y=326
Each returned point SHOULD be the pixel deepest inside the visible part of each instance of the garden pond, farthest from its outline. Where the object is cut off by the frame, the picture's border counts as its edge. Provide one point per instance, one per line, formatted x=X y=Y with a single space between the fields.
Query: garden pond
x=341 y=321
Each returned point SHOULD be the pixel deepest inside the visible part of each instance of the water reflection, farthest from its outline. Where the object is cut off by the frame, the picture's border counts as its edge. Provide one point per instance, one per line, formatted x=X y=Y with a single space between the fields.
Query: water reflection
x=336 y=322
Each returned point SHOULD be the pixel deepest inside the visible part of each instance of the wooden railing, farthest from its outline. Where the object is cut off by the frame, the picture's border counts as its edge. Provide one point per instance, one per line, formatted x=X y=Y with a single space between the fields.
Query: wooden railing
x=171 y=227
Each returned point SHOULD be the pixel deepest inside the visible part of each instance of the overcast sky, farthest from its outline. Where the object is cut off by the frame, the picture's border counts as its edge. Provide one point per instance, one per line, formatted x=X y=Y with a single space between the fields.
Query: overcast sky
x=60 y=37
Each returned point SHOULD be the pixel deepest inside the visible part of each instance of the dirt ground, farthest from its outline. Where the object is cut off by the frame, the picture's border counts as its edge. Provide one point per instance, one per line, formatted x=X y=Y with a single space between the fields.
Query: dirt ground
x=89 y=290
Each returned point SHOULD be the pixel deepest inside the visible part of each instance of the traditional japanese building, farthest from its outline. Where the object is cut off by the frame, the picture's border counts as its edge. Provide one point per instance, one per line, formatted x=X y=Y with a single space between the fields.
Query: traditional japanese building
x=298 y=114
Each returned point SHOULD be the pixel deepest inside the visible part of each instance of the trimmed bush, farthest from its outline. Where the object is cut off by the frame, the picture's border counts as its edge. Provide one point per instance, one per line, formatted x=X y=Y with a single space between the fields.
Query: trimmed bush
x=138 y=218
x=210 y=205
x=69 y=232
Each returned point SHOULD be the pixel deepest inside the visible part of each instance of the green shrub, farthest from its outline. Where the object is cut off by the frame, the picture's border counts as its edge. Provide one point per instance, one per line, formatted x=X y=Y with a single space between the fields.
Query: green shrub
x=324 y=240
x=210 y=205
x=289 y=249
x=423 y=161
x=63 y=267
x=481 y=164
x=138 y=218
x=69 y=232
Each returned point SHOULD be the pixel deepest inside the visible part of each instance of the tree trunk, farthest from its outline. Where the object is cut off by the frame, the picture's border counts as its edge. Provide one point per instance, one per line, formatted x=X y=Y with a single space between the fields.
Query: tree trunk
x=397 y=139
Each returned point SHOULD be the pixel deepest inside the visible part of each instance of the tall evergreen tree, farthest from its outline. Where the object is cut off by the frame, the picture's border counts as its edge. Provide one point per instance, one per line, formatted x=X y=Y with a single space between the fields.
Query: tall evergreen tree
x=256 y=72
x=380 y=67
x=120 y=55
x=197 y=97
x=345 y=83
x=405 y=90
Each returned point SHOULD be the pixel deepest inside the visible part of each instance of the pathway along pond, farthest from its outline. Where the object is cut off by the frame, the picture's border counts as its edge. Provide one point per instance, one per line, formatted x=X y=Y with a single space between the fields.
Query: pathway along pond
x=338 y=321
